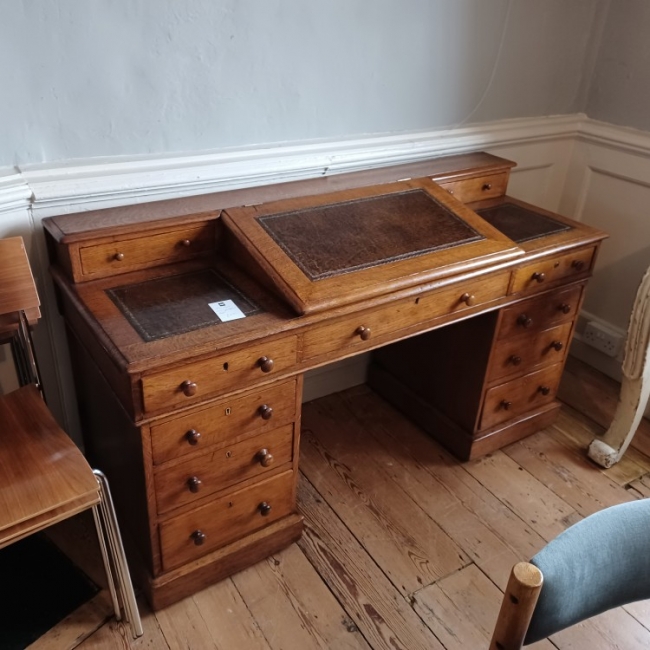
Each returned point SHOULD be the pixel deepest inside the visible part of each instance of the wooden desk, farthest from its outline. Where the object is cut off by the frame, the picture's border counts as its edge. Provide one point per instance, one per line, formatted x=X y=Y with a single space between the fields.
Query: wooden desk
x=196 y=421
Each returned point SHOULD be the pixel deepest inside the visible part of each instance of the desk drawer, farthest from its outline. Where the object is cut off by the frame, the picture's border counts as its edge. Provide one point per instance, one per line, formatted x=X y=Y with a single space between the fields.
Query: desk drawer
x=519 y=355
x=357 y=332
x=122 y=255
x=226 y=421
x=228 y=372
x=475 y=189
x=221 y=468
x=540 y=313
x=536 y=276
x=520 y=395
x=227 y=518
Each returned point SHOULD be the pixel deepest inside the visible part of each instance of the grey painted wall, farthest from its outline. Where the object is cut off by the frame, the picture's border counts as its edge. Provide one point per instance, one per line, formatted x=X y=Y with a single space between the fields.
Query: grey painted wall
x=87 y=78
x=620 y=85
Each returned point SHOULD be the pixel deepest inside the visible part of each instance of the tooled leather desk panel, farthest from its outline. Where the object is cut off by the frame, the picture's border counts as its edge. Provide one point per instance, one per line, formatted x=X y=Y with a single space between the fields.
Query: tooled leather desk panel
x=178 y=304
x=378 y=230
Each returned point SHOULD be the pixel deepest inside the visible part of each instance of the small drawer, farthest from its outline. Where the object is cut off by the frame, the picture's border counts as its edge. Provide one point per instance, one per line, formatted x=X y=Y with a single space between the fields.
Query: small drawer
x=195 y=381
x=354 y=333
x=540 y=313
x=519 y=355
x=226 y=421
x=122 y=255
x=477 y=189
x=536 y=276
x=520 y=395
x=223 y=520
x=221 y=468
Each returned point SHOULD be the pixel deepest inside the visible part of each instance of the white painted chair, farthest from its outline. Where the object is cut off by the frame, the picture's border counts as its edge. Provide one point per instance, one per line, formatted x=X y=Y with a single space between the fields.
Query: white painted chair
x=635 y=387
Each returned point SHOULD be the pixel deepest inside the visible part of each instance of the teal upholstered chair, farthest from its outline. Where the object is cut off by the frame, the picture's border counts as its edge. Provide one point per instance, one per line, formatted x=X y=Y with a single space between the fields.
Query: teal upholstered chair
x=599 y=563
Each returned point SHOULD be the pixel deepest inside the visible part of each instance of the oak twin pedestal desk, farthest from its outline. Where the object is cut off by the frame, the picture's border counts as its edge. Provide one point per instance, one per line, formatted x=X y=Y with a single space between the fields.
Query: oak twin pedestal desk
x=192 y=321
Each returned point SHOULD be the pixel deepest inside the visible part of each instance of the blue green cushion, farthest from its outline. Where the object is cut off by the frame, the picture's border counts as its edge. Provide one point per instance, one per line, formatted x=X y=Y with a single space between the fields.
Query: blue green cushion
x=601 y=562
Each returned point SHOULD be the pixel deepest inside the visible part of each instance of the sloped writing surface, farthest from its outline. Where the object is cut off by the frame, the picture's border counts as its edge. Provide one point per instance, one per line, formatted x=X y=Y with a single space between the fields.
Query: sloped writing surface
x=328 y=240
x=321 y=252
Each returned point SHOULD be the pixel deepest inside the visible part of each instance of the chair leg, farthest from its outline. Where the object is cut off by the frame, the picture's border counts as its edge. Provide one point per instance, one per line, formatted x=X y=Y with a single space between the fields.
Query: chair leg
x=101 y=536
x=116 y=549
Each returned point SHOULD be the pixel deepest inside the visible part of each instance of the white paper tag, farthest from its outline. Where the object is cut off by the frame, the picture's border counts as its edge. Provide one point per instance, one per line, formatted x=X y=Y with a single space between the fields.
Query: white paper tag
x=227 y=310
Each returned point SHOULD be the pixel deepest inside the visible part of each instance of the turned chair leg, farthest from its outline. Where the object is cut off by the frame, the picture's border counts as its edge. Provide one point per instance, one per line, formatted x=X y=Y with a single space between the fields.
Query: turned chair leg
x=635 y=387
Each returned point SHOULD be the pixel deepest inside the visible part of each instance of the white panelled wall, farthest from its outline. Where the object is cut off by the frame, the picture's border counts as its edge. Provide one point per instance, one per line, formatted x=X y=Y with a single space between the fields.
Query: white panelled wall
x=593 y=172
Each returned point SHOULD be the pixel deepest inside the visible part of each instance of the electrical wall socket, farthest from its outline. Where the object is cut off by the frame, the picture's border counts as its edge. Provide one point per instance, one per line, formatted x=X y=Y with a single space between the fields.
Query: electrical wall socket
x=603 y=339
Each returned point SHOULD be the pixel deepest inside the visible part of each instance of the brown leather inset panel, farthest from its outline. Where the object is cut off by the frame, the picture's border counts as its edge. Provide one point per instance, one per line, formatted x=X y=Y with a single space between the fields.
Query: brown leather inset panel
x=177 y=304
x=520 y=224
x=329 y=240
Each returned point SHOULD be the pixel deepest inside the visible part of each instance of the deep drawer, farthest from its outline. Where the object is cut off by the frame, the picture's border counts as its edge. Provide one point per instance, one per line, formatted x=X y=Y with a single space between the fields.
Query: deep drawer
x=519 y=355
x=196 y=533
x=520 y=395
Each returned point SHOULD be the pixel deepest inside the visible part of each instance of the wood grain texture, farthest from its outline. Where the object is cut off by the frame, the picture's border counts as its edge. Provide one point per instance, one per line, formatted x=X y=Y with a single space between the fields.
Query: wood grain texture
x=44 y=478
x=334 y=594
x=17 y=288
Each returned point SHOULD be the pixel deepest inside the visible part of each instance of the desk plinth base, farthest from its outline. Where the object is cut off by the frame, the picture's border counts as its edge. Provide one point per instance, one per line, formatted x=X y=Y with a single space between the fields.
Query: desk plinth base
x=461 y=443
x=174 y=585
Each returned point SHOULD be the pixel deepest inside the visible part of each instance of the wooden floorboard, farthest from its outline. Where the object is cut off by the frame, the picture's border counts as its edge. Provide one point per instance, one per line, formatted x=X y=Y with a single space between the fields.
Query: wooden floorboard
x=404 y=546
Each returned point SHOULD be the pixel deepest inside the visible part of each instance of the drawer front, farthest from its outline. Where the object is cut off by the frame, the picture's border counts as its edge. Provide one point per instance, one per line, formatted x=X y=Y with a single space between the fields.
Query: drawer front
x=221 y=468
x=476 y=189
x=536 y=276
x=354 y=333
x=520 y=395
x=195 y=381
x=154 y=249
x=540 y=313
x=225 y=519
x=226 y=421
x=519 y=355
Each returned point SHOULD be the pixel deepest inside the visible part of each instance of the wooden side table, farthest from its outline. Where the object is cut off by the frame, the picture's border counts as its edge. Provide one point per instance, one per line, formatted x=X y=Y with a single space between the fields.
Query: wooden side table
x=635 y=387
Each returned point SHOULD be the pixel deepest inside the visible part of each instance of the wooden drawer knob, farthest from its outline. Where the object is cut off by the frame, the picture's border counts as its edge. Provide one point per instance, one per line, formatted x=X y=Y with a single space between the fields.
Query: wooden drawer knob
x=264 y=457
x=186 y=243
x=487 y=186
x=578 y=265
x=265 y=412
x=514 y=359
x=557 y=345
x=363 y=332
x=189 y=388
x=193 y=437
x=118 y=257
x=505 y=404
x=564 y=308
x=468 y=299
x=198 y=537
x=544 y=390
x=265 y=364
x=524 y=320
x=264 y=508
x=194 y=484
x=539 y=276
